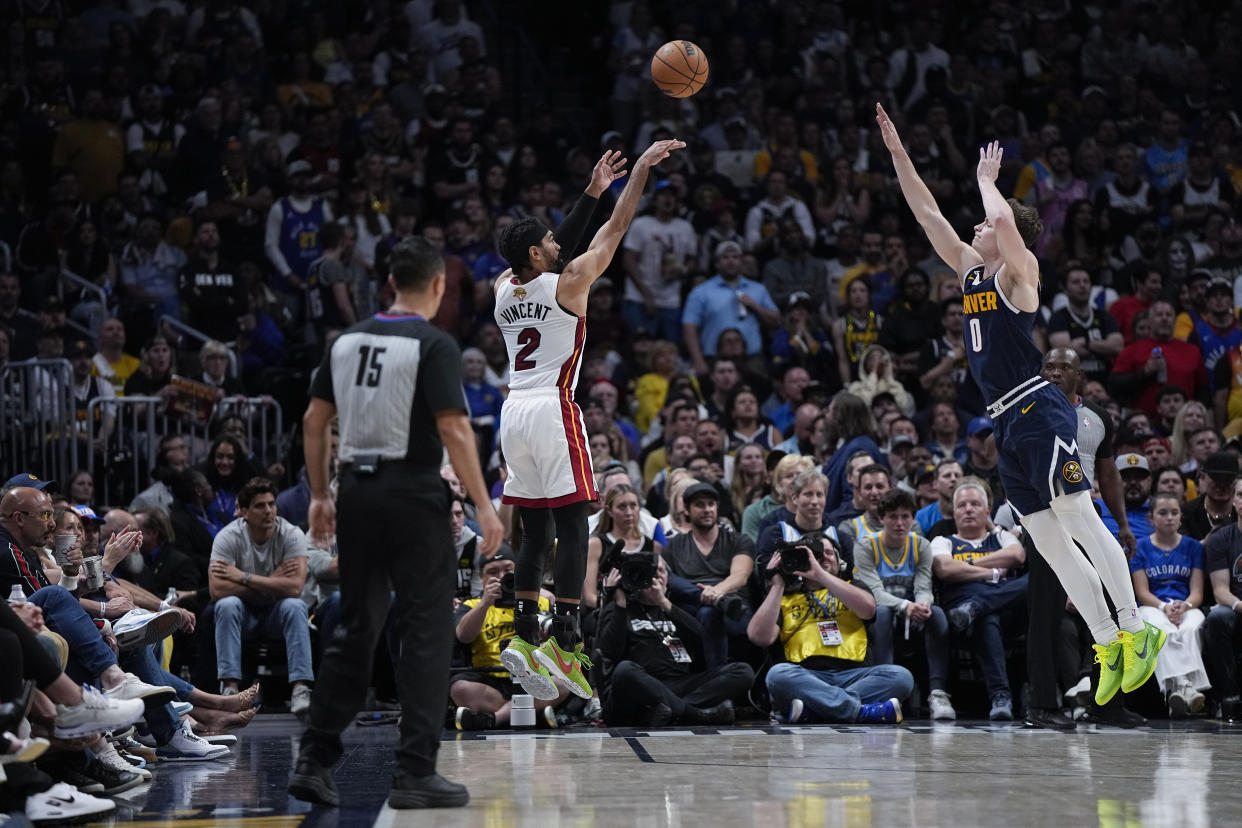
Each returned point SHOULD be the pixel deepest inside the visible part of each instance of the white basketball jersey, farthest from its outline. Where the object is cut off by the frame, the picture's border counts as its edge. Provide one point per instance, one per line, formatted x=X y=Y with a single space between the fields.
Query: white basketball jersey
x=544 y=340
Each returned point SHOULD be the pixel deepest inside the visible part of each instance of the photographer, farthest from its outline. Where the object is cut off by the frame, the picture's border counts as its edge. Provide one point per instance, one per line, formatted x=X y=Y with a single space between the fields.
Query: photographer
x=818 y=618
x=896 y=566
x=658 y=674
x=485 y=626
x=708 y=566
x=809 y=491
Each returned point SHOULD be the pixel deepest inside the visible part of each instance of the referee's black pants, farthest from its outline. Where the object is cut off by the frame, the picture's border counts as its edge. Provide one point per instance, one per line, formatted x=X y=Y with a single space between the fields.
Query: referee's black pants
x=393 y=535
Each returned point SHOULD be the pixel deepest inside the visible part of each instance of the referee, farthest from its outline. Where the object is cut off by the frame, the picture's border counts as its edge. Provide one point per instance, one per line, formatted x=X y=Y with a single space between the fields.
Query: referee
x=1045 y=595
x=395 y=381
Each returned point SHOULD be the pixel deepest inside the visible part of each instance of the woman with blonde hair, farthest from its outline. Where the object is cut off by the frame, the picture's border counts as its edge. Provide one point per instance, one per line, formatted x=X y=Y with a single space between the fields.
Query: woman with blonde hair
x=677 y=521
x=789 y=467
x=1193 y=416
x=618 y=523
x=749 y=471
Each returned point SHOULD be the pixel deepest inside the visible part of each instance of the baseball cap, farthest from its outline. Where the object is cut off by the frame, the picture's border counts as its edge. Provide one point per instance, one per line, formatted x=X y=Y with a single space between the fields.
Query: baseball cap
x=1156 y=441
x=299 y=166
x=87 y=513
x=698 y=490
x=800 y=297
x=1220 y=284
x=728 y=247
x=901 y=440
x=928 y=470
x=29 y=480
x=1132 y=462
x=978 y=424
x=1221 y=464
x=79 y=348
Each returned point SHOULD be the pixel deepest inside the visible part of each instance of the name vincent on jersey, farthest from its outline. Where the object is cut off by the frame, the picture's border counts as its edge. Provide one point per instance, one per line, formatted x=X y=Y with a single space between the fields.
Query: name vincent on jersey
x=525 y=310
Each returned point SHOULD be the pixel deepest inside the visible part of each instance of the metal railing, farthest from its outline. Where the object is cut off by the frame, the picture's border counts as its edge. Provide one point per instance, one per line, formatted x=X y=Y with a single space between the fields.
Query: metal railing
x=201 y=338
x=38 y=419
x=130 y=451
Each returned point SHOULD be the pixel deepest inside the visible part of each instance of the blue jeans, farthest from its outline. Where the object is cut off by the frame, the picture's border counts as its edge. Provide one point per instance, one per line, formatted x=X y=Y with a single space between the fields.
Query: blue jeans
x=666 y=324
x=286 y=619
x=986 y=635
x=834 y=696
x=88 y=654
x=717 y=627
x=935 y=641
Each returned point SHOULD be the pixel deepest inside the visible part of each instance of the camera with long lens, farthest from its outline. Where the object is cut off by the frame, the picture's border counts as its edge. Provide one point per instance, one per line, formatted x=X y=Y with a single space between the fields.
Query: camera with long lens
x=508 y=594
x=638 y=569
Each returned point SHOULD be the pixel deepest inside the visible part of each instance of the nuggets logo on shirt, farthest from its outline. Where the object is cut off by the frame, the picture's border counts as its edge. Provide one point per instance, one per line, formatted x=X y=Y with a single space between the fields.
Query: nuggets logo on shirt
x=1072 y=472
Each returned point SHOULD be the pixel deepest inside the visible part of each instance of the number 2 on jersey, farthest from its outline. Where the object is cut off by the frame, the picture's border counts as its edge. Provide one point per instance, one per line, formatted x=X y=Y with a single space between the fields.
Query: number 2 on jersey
x=976 y=335
x=529 y=340
x=369 y=366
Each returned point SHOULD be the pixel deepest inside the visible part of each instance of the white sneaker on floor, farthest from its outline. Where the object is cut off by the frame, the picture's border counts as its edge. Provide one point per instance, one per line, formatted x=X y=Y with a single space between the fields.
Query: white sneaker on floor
x=941 y=707
x=795 y=711
x=110 y=758
x=185 y=746
x=1080 y=694
x=226 y=739
x=140 y=627
x=135 y=688
x=181 y=708
x=299 y=701
x=96 y=713
x=62 y=802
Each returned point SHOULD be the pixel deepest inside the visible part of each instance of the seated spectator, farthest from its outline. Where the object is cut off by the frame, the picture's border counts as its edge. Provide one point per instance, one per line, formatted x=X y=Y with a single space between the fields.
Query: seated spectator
x=226 y=470
x=159 y=363
x=708 y=569
x=172 y=458
x=1222 y=642
x=617 y=475
x=1136 y=489
x=876 y=375
x=852 y=427
x=976 y=565
x=862 y=519
x=654 y=650
x=948 y=473
x=1167 y=570
x=150 y=269
x=1146 y=365
x=1215 y=507
x=823 y=677
x=618 y=524
x=112 y=363
x=484 y=624
x=750 y=475
x=744 y=422
x=465 y=545
x=803 y=517
x=167 y=565
x=213 y=358
x=677 y=521
x=484 y=399
x=256 y=577
x=896 y=567
x=783 y=473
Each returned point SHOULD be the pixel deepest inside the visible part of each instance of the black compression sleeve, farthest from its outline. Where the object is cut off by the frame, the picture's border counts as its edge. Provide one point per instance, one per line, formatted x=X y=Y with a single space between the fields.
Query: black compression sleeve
x=569 y=234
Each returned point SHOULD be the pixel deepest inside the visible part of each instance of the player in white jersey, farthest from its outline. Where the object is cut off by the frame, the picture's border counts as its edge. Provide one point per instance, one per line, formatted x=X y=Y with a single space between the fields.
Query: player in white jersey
x=541 y=311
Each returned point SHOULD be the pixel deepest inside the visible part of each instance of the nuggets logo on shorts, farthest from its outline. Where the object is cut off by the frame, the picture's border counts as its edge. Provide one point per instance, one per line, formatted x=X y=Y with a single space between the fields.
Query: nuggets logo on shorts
x=1072 y=472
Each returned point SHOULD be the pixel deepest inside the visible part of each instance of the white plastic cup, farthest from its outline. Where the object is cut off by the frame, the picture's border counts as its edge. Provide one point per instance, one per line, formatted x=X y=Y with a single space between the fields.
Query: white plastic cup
x=92 y=570
x=522 y=713
x=61 y=551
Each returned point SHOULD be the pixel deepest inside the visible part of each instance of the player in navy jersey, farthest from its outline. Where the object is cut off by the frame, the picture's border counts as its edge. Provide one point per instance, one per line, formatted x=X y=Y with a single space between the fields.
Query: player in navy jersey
x=1035 y=427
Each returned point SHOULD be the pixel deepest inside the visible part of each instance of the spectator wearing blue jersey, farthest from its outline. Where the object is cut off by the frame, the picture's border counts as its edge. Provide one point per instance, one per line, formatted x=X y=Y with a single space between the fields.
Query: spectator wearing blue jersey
x=1167 y=571
x=292 y=239
x=1168 y=158
x=1135 y=487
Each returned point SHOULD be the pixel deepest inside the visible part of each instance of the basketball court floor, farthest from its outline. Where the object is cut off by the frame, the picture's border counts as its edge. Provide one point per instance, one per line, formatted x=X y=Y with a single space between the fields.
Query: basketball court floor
x=914 y=774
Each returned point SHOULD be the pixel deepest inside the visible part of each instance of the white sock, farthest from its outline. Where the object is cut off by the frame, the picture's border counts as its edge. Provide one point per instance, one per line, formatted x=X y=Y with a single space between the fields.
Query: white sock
x=1078 y=516
x=1079 y=579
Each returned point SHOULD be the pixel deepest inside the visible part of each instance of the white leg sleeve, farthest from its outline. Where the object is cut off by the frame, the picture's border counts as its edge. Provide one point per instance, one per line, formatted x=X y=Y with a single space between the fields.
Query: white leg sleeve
x=1078 y=516
x=1076 y=575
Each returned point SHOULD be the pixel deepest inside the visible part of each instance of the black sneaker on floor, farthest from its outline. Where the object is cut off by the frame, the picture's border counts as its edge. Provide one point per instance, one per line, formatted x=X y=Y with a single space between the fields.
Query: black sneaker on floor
x=432 y=791
x=468 y=718
x=313 y=782
x=76 y=778
x=721 y=714
x=114 y=780
x=1043 y=719
x=1114 y=715
x=658 y=715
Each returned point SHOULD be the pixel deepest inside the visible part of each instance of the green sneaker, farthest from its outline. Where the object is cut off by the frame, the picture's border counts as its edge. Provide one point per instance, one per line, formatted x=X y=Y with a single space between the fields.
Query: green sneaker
x=1140 y=651
x=566 y=668
x=519 y=659
x=1110 y=658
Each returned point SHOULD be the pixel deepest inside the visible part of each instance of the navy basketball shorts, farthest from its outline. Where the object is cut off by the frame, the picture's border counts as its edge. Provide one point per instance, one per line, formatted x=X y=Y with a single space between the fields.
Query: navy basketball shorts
x=1037 y=448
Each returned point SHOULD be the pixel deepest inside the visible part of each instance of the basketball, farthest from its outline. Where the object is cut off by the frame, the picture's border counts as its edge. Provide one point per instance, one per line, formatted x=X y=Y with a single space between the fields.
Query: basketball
x=679 y=68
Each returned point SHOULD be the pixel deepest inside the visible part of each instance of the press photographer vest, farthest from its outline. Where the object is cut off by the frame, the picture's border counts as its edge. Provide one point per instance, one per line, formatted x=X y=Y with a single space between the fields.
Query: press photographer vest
x=800 y=631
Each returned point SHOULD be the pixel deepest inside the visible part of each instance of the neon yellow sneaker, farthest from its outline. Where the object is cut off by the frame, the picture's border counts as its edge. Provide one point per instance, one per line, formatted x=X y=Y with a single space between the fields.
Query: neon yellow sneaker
x=519 y=659
x=1110 y=658
x=566 y=668
x=1140 y=650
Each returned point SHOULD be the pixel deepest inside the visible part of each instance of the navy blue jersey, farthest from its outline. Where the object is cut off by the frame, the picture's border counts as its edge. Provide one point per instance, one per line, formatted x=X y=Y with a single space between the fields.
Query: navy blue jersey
x=999 y=347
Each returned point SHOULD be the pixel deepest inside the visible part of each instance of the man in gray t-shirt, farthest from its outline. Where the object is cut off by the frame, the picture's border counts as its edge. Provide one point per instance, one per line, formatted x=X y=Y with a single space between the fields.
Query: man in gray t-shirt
x=257 y=573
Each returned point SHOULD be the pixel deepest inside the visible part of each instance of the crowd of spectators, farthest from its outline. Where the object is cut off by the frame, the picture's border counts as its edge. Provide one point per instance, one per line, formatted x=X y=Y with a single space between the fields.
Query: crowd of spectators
x=775 y=353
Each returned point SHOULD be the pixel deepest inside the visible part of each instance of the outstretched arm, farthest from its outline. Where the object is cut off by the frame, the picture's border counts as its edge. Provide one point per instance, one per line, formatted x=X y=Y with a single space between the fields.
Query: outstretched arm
x=585 y=269
x=922 y=203
x=1021 y=262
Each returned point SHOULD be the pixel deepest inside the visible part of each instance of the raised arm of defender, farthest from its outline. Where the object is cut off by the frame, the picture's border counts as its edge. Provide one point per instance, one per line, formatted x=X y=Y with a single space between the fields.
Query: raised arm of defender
x=940 y=233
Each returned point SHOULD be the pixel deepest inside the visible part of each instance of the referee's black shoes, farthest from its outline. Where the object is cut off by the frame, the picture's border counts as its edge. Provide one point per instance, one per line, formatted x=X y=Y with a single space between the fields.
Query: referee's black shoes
x=1112 y=714
x=1046 y=719
x=433 y=791
x=313 y=782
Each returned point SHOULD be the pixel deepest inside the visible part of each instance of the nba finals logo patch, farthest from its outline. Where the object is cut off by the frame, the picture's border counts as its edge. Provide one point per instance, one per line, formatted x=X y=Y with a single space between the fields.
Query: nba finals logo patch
x=520 y=294
x=1072 y=472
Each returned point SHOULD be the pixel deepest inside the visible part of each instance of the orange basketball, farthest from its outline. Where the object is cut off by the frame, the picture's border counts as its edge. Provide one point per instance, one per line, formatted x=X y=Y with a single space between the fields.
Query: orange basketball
x=679 y=68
